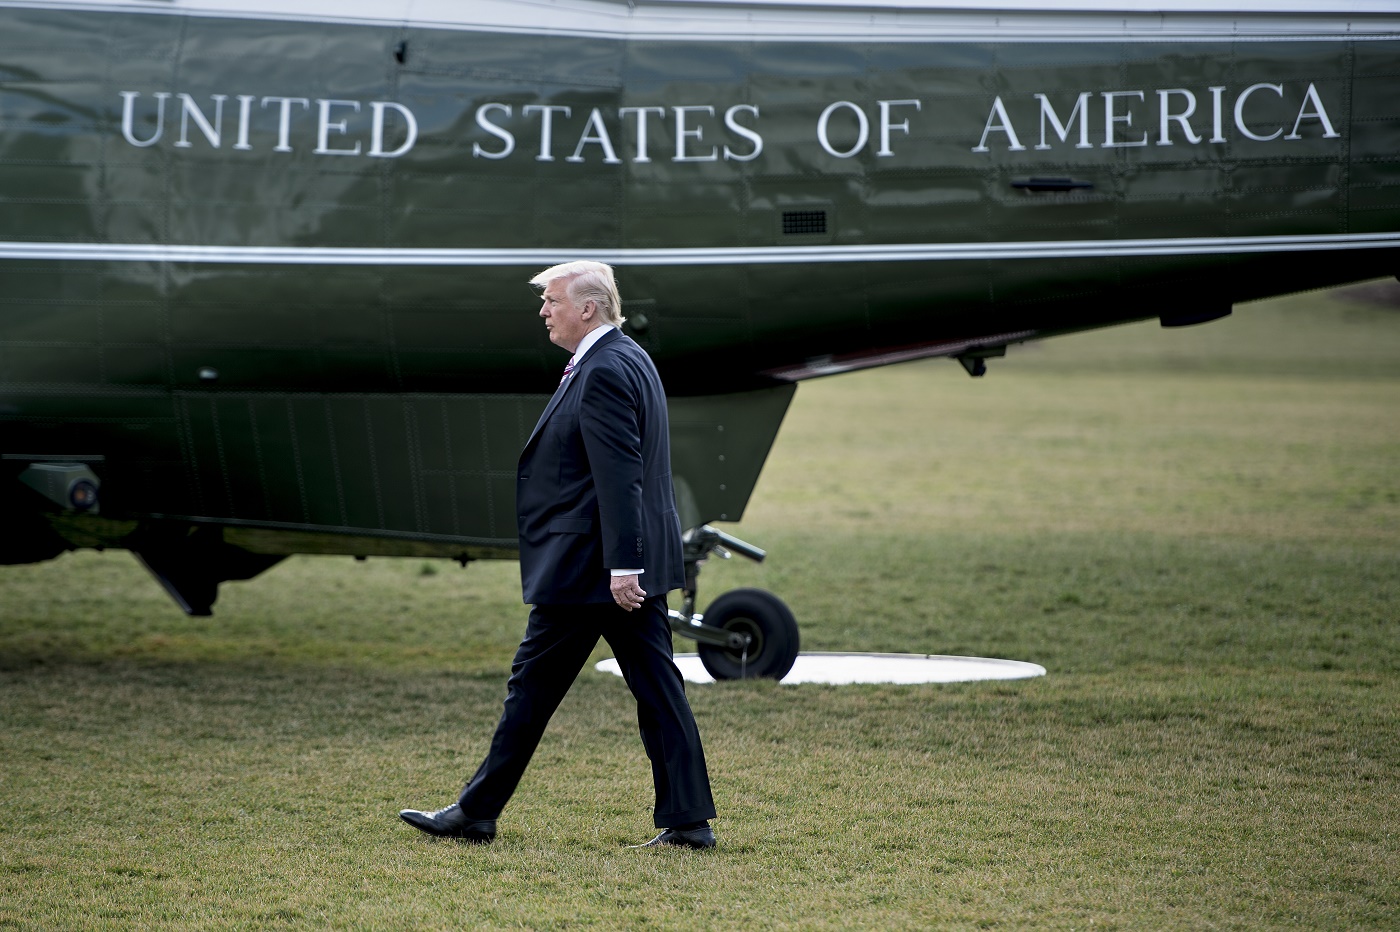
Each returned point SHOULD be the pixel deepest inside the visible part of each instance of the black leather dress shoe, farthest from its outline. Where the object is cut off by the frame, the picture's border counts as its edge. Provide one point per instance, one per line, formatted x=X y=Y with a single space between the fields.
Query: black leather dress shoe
x=451 y=823
x=701 y=836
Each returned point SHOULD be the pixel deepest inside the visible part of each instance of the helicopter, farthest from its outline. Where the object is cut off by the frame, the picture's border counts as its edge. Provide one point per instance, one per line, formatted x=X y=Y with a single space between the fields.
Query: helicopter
x=263 y=265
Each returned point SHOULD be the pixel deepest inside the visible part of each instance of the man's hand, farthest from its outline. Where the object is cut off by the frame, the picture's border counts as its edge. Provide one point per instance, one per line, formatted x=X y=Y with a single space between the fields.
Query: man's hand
x=627 y=592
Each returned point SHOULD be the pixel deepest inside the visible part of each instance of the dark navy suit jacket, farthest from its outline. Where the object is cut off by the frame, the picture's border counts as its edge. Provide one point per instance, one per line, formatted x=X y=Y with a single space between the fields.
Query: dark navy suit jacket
x=593 y=488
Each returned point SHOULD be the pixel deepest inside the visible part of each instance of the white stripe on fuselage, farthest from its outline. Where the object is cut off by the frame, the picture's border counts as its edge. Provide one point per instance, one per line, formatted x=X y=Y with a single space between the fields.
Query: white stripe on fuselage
x=739 y=22
x=739 y=255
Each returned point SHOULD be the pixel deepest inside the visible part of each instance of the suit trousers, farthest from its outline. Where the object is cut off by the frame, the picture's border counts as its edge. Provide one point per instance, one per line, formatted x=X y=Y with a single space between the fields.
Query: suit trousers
x=557 y=643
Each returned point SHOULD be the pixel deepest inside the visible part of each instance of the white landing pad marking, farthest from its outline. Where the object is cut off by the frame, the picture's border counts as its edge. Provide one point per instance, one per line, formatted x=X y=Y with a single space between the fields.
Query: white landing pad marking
x=839 y=668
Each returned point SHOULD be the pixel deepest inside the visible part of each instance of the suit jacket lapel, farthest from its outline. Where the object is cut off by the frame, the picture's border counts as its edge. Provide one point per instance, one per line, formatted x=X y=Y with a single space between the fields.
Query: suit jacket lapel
x=559 y=392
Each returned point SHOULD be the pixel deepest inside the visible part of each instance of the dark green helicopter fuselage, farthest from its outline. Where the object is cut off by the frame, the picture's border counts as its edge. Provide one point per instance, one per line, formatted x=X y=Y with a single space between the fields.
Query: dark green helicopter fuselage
x=264 y=277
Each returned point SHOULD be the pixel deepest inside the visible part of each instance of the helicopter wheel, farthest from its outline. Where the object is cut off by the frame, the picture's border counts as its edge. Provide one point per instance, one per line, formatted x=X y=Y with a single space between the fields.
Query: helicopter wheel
x=767 y=621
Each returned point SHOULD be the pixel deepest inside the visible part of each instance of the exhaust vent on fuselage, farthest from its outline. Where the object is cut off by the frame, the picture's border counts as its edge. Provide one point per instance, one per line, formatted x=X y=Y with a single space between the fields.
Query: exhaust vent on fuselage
x=804 y=223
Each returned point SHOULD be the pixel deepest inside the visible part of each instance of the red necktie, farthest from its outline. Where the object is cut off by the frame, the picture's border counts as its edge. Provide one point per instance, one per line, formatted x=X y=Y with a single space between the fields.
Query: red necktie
x=568 y=371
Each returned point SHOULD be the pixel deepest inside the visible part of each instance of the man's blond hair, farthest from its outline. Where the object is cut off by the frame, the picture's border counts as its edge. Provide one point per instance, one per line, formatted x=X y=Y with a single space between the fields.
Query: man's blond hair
x=587 y=281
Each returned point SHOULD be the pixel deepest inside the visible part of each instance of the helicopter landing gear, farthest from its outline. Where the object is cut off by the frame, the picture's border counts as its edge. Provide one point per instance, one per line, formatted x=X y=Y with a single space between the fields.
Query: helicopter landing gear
x=746 y=633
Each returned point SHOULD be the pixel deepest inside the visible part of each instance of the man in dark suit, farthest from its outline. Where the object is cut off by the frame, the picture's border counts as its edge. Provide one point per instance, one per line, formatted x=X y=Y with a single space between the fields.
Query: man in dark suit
x=600 y=546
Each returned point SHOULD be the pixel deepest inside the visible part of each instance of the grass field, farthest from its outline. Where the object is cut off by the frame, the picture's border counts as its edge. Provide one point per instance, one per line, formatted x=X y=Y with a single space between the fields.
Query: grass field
x=1196 y=533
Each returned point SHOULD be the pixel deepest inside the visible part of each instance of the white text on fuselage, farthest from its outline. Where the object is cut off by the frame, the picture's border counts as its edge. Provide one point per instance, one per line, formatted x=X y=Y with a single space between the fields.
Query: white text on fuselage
x=1175 y=110
x=332 y=119
x=1262 y=112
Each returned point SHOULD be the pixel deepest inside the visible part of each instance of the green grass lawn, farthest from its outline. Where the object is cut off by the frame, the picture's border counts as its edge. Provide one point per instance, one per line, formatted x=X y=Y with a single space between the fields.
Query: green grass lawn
x=1195 y=532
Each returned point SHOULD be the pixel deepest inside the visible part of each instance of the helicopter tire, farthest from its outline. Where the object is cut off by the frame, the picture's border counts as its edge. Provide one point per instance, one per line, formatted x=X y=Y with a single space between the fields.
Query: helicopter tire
x=767 y=620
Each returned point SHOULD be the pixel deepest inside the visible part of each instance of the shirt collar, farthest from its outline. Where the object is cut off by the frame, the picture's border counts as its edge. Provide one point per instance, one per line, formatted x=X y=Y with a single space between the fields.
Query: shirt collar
x=590 y=338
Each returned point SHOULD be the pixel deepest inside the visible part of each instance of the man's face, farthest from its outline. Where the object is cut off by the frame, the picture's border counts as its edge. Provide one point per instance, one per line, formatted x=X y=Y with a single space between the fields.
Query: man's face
x=568 y=323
